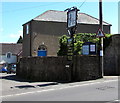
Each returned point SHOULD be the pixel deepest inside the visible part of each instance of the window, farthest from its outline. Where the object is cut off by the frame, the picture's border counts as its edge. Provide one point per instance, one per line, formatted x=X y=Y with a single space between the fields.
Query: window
x=27 y=28
x=42 y=47
x=8 y=55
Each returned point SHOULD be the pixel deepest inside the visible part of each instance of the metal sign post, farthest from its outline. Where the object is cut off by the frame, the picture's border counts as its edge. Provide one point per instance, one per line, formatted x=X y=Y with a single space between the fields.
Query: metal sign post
x=71 y=27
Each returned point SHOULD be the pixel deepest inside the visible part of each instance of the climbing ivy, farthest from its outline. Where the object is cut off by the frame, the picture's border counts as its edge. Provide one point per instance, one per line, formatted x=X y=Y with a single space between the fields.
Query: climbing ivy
x=63 y=46
x=79 y=39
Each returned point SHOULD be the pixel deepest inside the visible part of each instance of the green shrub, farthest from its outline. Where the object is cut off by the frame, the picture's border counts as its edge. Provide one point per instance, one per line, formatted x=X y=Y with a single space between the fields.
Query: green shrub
x=79 y=39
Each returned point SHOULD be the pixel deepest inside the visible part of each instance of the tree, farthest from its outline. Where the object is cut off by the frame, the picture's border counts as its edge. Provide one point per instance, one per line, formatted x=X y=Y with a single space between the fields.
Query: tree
x=20 y=40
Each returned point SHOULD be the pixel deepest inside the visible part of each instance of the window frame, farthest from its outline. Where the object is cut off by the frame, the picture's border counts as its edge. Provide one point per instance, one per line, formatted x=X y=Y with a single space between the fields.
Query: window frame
x=8 y=55
x=27 y=28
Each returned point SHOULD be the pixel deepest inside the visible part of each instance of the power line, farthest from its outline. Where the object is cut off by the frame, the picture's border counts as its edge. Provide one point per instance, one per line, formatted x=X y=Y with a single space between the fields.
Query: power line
x=32 y=7
x=82 y=3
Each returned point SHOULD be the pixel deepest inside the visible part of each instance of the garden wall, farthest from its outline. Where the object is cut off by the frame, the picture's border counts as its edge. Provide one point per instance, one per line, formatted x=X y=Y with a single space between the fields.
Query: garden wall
x=54 y=68
x=112 y=57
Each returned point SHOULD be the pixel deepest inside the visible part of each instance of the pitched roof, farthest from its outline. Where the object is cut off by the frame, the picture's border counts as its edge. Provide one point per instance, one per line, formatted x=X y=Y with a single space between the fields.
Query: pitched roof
x=61 y=16
x=11 y=47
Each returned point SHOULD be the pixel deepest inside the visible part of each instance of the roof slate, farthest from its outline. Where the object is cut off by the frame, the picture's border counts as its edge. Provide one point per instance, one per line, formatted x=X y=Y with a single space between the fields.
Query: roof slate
x=61 y=16
x=11 y=47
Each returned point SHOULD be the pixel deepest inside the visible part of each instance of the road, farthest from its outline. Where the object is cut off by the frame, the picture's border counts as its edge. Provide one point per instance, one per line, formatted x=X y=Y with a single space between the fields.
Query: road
x=97 y=90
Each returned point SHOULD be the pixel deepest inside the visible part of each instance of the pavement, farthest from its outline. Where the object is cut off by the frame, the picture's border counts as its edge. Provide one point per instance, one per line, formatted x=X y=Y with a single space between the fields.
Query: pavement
x=11 y=85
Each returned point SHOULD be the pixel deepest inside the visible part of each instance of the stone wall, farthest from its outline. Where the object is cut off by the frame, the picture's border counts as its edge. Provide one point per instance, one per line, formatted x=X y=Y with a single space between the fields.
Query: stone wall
x=86 y=68
x=54 y=68
x=112 y=57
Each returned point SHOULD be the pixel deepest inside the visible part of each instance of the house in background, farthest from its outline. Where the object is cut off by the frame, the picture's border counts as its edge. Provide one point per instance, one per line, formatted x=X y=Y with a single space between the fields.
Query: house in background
x=49 y=26
x=10 y=53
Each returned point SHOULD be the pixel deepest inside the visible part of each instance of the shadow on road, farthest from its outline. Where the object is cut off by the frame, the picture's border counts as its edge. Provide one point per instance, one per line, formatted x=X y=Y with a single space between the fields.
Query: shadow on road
x=18 y=79
x=14 y=78
x=34 y=86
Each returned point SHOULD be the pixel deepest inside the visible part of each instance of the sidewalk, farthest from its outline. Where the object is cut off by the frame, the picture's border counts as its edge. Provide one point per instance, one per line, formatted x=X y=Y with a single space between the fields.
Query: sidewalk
x=12 y=85
x=15 y=82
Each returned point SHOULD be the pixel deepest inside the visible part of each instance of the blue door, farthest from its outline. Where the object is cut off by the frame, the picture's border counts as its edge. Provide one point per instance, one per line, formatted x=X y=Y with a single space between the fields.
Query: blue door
x=42 y=50
x=42 y=53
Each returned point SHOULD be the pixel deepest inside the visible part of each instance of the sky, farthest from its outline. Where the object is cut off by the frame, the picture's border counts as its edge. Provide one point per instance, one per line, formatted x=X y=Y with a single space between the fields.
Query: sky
x=14 y=14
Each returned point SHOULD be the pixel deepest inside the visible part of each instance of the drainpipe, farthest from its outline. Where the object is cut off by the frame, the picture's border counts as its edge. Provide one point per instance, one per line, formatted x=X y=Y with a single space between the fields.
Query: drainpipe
x=30 y=31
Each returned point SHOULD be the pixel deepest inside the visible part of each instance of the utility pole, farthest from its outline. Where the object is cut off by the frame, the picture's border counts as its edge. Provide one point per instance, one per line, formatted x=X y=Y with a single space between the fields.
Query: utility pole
x=101 y=39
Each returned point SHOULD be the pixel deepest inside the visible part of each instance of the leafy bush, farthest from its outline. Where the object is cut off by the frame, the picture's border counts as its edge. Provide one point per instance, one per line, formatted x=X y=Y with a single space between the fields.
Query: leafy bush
x=63 y=46
x=79 y=39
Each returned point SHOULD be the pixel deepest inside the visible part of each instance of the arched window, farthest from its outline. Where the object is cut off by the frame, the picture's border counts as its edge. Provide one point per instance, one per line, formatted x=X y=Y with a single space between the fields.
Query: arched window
x=42 y=47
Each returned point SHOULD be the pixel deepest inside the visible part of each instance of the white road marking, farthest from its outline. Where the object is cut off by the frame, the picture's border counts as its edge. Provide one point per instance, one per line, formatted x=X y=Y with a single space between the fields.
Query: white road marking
x=114 y=101
x=70 y=86
x=117 y=100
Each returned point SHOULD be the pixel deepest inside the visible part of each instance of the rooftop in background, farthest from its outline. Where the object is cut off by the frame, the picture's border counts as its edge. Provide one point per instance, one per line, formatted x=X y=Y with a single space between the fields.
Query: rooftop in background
x=14 y=48
x=61 y=16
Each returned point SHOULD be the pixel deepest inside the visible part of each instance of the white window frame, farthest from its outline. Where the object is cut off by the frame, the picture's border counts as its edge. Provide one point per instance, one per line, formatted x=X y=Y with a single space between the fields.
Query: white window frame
x=8 y=55
x=27 y=28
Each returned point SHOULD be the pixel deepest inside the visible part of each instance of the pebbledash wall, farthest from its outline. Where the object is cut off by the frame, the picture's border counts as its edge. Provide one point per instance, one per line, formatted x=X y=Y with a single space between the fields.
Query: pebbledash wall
x=54 y=68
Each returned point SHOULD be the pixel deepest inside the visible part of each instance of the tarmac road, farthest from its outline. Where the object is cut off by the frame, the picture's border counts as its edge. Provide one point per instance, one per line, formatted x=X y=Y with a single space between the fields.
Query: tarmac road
x=105 y=89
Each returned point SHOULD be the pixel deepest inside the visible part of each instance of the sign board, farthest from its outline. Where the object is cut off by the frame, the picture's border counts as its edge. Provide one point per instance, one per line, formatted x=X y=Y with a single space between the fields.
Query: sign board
x=89 y=48
x=92 y=48
x=70 y=49
x=72 y=18
x=85 y=49
x=100 y=33
x=69 y=40
x=101 y=52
